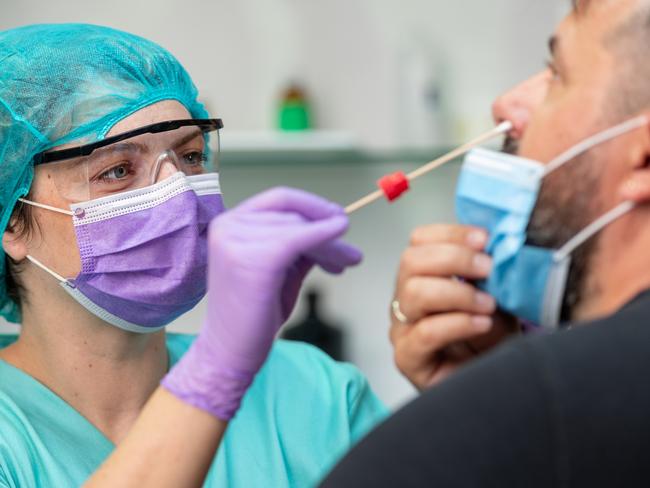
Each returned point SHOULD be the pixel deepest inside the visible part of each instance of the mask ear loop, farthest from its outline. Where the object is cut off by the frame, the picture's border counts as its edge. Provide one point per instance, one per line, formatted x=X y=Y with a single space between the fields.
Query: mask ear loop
x=46 y=207
x=56 y=275
x=588 y=232
x=32 y=259
x=578 y=240
x=595 y=140
x=614 y=214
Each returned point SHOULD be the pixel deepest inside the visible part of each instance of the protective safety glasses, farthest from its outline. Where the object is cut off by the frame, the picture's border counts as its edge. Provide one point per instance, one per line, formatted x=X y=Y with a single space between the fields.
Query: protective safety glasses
x=134 y=159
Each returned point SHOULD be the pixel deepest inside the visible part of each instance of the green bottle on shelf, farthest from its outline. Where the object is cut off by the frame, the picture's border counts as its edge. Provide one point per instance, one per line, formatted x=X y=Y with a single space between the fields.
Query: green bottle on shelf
x=294 y=110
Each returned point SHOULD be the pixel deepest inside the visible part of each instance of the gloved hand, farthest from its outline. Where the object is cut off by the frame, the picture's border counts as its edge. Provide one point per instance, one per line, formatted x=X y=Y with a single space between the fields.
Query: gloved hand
x=259 y=254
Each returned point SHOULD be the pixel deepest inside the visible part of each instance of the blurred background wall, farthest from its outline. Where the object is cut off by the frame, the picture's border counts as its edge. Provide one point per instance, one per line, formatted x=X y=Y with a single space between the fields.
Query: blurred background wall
x=383 y=77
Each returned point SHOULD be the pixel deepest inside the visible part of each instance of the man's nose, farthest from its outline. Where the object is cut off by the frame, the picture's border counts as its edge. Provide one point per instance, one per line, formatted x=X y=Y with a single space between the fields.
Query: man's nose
x=518 y=104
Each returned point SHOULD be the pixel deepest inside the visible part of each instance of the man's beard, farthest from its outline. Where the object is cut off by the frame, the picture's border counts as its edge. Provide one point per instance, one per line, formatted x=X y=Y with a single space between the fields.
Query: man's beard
x=565 y=207
x=510 y=145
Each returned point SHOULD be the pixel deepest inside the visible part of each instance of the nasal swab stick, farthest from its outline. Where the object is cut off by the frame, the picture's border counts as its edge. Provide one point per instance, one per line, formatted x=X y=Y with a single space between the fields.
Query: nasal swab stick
x=393 y=185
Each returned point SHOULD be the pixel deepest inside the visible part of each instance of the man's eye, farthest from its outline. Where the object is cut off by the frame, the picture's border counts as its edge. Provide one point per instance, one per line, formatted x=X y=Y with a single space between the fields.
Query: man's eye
x=194 y=158
x=116 y=173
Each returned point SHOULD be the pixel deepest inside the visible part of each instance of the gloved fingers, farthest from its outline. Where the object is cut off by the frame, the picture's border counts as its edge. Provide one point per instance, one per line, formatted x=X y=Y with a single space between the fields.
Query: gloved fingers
x=283 y=237
x=311 y=235
x=335 y=256
x=332 y=269
x=235 y=230
x=310 y=206
x=268 y=220
x=293 y=282
x=300 y=269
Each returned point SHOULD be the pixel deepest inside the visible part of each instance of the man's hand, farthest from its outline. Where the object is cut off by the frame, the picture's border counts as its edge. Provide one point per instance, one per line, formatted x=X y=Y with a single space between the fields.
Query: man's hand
x=448 y=320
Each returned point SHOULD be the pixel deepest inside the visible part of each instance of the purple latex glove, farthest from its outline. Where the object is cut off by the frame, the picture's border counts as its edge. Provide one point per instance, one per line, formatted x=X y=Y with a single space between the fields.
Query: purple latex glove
x=259 y=254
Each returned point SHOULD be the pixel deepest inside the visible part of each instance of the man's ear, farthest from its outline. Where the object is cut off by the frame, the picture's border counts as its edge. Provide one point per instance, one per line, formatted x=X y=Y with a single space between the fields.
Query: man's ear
x=14 y=244
x=636 y=187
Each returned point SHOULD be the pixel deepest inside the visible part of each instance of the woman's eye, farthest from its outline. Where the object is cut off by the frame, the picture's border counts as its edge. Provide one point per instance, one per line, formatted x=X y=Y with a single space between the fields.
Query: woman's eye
x=194 y=158
x=116 y=173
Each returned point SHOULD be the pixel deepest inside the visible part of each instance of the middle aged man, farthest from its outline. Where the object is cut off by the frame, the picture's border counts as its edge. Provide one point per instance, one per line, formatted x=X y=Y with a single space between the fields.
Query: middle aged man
x=566 y=409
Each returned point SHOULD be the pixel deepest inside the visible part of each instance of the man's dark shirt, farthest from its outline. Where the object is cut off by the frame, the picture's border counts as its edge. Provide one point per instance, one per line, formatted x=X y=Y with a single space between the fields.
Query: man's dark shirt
x=571 y=409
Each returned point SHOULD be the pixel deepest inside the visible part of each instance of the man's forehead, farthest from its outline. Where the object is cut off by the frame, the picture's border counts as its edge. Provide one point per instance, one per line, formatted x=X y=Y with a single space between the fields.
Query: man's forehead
x=598 y=18
x=582 y=7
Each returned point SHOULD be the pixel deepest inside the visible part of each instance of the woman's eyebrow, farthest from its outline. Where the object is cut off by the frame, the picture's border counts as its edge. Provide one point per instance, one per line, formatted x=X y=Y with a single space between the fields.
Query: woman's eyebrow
x=187 y=138
x=131 y=146
x=142 y=147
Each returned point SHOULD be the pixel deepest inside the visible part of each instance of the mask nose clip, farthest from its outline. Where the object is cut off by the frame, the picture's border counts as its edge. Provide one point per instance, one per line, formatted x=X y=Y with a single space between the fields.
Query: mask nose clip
x=166 y=165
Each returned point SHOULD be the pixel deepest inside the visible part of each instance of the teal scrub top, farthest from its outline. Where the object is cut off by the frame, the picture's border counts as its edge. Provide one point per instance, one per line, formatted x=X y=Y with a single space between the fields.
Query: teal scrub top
x=301 y=414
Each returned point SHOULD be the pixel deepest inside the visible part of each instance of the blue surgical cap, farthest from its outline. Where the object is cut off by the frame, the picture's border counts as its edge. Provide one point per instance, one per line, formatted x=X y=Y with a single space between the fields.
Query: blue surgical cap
x=65 y=82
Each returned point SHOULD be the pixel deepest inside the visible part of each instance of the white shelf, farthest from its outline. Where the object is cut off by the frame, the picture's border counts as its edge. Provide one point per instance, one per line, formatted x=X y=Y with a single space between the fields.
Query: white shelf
x=271 y=141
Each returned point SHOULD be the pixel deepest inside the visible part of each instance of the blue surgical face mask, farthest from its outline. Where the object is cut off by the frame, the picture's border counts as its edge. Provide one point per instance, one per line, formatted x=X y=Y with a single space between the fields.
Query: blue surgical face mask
x=498 y=192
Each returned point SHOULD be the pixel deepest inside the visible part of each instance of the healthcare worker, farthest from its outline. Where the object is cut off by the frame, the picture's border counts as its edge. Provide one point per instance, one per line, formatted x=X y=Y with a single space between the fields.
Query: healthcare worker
x=114 y=226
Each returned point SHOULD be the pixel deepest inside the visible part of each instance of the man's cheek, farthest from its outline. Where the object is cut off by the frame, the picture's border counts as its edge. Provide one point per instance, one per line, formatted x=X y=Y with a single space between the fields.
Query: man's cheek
x=548 y=135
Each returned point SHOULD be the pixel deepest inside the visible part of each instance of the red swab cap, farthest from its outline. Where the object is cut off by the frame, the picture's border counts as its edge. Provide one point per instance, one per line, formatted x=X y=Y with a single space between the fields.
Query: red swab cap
x=394 y=185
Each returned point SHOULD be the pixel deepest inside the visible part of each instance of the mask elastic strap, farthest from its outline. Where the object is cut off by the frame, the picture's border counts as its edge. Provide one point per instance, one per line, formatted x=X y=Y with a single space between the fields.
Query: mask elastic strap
x=46 y=207
x=596 y=226
x=35 y=261
x=595 y=140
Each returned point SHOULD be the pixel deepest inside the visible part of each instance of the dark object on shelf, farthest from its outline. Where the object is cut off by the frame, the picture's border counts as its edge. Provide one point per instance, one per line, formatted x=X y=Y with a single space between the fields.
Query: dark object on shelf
x=312 y=329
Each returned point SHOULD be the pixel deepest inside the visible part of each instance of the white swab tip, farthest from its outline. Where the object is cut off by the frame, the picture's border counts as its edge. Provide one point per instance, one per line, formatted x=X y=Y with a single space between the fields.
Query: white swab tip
x=505 y=126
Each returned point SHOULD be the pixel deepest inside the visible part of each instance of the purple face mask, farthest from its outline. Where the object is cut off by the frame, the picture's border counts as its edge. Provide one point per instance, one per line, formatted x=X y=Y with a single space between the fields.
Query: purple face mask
x=144 y=252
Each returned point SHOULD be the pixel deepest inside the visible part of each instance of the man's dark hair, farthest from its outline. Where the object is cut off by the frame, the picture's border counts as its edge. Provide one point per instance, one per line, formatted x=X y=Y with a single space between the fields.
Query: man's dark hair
x=629 y=43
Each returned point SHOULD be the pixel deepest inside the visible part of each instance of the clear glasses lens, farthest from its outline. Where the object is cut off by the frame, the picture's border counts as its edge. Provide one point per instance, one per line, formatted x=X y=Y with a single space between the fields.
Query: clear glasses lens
x=135 y=163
